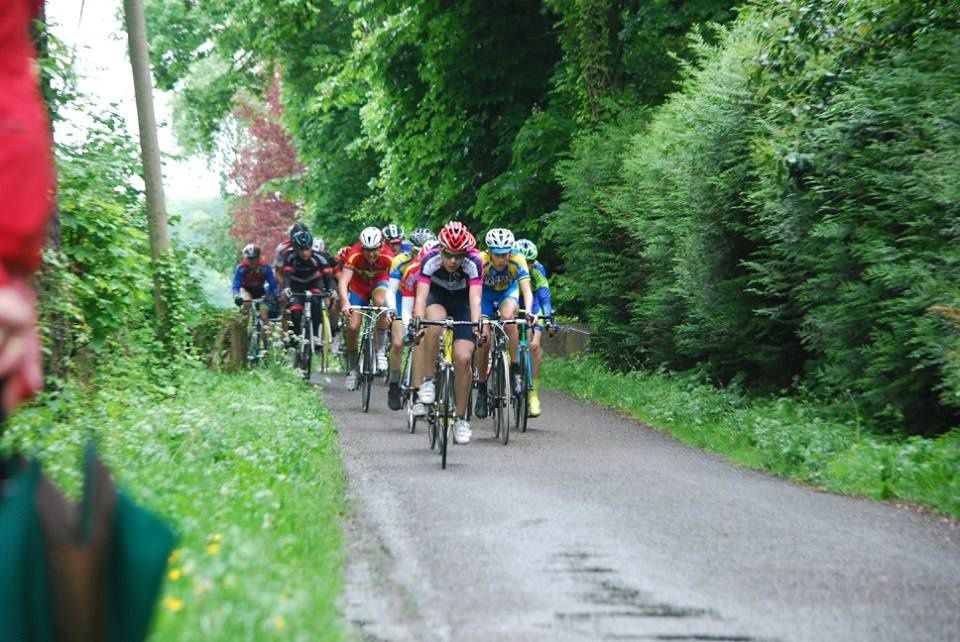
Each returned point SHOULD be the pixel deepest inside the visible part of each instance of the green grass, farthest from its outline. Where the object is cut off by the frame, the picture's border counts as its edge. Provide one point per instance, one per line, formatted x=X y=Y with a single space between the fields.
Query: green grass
x=785 y=436
x=245 y=466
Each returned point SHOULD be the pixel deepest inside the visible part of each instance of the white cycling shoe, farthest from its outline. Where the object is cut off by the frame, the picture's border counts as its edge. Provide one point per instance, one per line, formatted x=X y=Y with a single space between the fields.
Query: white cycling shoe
x=428 y=391
x=418 y=410
x=382 y=363
x=352 y=380
x=461 y=432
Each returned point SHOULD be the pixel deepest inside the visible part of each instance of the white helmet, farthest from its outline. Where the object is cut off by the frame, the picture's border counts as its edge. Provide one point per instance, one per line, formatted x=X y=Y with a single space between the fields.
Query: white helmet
x=319 y=245
x=500 y=240
x=371 y=238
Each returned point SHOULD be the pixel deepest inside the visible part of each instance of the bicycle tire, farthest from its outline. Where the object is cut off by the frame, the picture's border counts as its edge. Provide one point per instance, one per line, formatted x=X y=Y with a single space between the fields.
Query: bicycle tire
x=306 y=347
x=520 y=400
x=366 y=373
x=445 y=387
x=525 y=375
x=406 y=391
x=253 y=344
x=504 y=397
x=326 y=340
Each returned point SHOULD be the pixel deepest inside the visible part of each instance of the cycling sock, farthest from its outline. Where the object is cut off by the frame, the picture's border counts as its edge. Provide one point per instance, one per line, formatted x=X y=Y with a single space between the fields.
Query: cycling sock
x=383 y=340
x=394 y=376
x=353 y=361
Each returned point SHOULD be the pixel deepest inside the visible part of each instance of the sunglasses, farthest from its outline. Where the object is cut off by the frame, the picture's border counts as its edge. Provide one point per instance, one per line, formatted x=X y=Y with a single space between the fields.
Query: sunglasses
x=451 y=255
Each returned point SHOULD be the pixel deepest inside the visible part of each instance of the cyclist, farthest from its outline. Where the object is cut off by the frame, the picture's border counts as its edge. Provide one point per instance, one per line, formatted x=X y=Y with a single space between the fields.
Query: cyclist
x=393 y=238
x=305 y=271
x=505 y=276
x=284 y=247
x=335 y=306
x=450 y=285
x=363 y=280
x=400 y=298
x=543 y=307
x=253 y=279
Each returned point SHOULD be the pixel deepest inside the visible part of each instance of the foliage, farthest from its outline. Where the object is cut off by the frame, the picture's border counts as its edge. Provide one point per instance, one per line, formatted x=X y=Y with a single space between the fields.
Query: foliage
x=261 y=211
x=793 y=211
x=254 y=495
x=824 y=446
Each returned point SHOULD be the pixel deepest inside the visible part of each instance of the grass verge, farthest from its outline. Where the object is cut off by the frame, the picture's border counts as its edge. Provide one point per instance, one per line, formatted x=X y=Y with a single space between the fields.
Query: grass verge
x=784 y=436
x=245 y=466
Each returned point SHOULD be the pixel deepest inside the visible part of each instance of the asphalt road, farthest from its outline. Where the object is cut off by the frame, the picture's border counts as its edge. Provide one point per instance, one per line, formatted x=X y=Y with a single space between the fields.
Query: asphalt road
x=593 y=527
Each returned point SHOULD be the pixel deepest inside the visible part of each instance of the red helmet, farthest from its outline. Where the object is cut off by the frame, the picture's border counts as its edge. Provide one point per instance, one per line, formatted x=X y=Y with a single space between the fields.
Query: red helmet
x=454 y=237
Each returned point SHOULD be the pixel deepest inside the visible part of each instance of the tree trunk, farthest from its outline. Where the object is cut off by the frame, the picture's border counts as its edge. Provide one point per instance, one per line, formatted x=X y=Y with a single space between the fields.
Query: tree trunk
x=149 y=147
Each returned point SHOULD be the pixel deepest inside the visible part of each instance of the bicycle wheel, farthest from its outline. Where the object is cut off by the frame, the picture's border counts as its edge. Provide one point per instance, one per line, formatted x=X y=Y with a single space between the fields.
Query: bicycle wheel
x=306 y=347
x=366 y=372
x=253 y=344
x=325 y=341
x=503 y=397
x=445 y=390
x=520 y=400
x=525 y=376
x=407 y=390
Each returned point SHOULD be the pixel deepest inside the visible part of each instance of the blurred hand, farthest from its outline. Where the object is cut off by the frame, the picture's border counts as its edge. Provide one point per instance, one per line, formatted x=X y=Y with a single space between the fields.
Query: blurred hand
x=20 y=366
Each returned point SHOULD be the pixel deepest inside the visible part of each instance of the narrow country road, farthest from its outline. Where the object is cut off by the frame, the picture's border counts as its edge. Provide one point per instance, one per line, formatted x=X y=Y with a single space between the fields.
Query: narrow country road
x=593 y=527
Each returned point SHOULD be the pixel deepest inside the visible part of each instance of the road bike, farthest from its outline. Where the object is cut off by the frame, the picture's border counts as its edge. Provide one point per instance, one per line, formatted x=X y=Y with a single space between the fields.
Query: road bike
x=368 y=350
x=499 y=388
x=520 y=402
x=303 y=357
x=257 y=340
x=406 y=384
x=443 y=410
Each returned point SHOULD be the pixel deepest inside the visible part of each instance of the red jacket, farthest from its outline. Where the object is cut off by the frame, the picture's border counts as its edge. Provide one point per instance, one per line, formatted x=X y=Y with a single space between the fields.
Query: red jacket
x=26 y=166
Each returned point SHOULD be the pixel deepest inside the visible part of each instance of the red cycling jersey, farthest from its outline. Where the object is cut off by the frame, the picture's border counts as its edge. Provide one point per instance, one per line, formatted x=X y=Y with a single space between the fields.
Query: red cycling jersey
x=366 y=275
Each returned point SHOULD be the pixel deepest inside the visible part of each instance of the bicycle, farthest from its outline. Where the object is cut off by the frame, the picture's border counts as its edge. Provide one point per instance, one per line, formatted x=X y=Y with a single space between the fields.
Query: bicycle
x=443 y=408
x=520 y=401
x=368 y=355
x=499 y=389
x=303 y=358
x=406 y=386
x=257 y=341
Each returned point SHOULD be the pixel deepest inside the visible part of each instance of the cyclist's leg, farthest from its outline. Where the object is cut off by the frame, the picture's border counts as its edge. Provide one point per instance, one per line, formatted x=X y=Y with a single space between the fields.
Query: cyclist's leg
x=295 y=304
x=487 y=305
x=463 y=377
x=316 y=312
x=351 y=332
x=379 y=297
x=508 y=310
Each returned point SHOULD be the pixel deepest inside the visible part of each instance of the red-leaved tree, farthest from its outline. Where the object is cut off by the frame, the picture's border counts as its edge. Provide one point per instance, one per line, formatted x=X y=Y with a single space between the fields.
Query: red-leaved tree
x=262 y=215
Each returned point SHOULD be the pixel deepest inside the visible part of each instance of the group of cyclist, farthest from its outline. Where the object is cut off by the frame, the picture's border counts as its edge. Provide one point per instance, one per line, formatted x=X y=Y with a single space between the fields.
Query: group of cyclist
x=426 y=276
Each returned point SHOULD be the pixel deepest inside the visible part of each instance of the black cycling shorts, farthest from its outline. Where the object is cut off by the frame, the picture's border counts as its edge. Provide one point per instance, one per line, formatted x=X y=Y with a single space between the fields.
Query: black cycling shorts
x=457 y=306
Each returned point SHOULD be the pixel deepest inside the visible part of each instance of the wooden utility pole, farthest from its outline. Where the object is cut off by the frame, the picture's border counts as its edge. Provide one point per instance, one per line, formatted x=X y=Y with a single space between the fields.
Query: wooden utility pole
x=149 y=148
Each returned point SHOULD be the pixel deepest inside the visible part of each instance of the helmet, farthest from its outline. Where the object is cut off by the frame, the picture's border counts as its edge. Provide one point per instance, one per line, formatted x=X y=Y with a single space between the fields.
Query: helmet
x=251 y=251
x=297 y=227
x=500 y=240
x=319 y=245
x=428 y=245
x=454 y=237
x=527 y=248
x=371 y=238
x=342 y=254
x=302 y=240
x=393 y=232
x=420 y=236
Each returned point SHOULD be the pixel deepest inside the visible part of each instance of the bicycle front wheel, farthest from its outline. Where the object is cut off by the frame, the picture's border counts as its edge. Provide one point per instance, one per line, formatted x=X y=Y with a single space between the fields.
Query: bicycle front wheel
x=446 y=394
x=306 y=348
x=366 y=373
x=326 y=340
x=502 y=391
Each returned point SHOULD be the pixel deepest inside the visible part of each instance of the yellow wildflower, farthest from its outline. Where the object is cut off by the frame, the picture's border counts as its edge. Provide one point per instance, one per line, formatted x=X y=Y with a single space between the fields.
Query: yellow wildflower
x=175 y=556
x=279 y=623
x=174 y=574
x=213 y=548
x=173 y=604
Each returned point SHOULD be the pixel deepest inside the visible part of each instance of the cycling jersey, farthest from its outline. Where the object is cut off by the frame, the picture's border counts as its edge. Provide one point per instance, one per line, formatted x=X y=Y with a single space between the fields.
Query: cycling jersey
x=367 y=276
x=470 y=272
x=501 y=280
x=542 y=305
x=301 y=275
x=257 y=279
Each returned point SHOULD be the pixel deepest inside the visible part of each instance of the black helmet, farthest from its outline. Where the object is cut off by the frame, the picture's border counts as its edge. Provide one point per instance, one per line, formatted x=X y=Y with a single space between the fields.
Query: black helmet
x=297 y=227
x=302 y=240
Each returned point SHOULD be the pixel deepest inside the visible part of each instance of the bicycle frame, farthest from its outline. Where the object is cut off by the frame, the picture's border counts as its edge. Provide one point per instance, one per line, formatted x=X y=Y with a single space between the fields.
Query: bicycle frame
x=367 y=362
x=256 y=334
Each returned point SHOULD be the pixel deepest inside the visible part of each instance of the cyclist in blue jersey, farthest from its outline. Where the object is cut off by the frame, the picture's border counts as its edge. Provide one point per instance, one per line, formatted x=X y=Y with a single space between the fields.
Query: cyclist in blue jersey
x=505 y=280
x=543 y=307
x=253 y=279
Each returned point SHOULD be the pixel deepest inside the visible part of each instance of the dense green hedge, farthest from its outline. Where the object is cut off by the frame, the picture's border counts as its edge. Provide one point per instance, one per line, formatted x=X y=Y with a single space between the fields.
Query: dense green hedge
x=791 y=214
